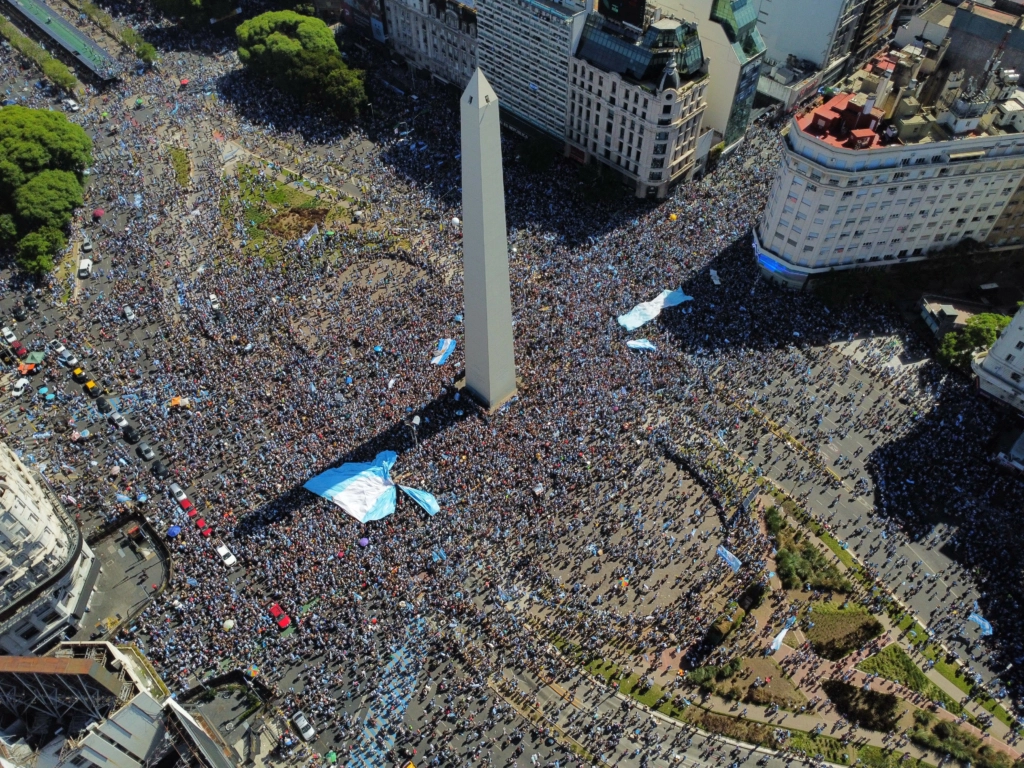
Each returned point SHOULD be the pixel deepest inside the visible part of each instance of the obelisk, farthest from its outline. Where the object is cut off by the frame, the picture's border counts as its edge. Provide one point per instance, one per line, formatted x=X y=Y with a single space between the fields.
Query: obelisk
x=490 y=357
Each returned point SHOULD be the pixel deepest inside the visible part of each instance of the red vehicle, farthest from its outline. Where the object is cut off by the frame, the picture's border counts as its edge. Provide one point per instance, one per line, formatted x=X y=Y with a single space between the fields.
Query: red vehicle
x=282 y=619
x=276 y=611
x=19 y=348
x=200 y=523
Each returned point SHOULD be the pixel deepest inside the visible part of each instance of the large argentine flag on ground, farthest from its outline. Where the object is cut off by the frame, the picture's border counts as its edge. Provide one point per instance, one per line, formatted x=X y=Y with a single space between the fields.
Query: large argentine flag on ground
x=365 y=490
x=644 y=313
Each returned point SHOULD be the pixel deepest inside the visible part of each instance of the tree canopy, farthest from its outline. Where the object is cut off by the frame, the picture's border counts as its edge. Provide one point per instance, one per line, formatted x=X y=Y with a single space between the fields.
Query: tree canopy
x=299 y=55
x=42 y=157
x=958 y=348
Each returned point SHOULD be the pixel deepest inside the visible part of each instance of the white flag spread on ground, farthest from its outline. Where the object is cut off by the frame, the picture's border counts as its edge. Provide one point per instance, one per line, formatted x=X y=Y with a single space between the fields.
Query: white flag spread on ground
x=644 y=313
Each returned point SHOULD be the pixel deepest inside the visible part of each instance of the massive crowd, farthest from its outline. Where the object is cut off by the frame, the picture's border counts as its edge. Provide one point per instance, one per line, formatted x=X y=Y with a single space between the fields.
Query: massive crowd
x=322 y=356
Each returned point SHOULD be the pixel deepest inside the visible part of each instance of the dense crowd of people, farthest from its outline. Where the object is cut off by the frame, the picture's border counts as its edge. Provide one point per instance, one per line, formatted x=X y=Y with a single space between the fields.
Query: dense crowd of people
x=320 y=355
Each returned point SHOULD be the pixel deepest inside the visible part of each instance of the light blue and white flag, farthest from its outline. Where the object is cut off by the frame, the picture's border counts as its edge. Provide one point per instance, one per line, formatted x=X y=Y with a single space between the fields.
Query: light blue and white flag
x=643 y=344
x=986 y=627
x=644 y=313
x=730 y=559
x=777 y=642
x=365 y=490
x=444 y=350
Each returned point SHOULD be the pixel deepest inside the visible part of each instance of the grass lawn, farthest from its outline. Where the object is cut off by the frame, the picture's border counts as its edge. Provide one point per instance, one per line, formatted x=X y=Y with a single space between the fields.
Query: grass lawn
x=893 y=663
x=945 y=738
x=838 y=631
x=182 y=166
x=799 y=561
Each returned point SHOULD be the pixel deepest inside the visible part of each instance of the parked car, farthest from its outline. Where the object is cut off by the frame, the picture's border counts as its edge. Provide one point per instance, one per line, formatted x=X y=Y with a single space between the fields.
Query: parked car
x=304 y=728
x=118 y=419
x=91 y=389
x=131 y=435
x=31 y=302
x=68 y=360
x=129 y=314
x=225 y=555
x=87 y=246
x=79 y=375
x=180 y=497
x=8 y=335
x=19 y=349
x=214 y=301
x=57 y=348
x=20 y=313
x=104 y=406
x=143 y=449
x=84 y=269
x=19 y=387
x=160 y=472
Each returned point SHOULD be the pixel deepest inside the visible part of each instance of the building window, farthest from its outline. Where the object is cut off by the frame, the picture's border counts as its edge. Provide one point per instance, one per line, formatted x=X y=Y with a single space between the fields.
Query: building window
x=655 y=176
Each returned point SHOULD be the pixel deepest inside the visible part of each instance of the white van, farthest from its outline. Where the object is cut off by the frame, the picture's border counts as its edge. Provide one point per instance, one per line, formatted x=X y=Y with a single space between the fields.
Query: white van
x=84 y=269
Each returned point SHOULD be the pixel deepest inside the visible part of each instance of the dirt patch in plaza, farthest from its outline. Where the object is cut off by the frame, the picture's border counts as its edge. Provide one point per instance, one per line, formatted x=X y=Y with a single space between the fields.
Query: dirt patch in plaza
x=781 y=691
x=294 y=223
x=837 y=631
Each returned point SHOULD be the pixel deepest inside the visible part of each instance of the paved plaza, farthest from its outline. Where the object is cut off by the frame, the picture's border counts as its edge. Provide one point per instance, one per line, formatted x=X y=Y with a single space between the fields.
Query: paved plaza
x=556 y=610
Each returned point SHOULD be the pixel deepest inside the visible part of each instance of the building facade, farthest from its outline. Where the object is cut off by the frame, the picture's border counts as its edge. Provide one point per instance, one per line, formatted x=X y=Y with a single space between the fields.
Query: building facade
x=636 y=101
x=1000 y=371
x=438 y=36
x=871 y=178
x=875 y=28
x=523 y=47
x=47 y=571
x=807 y=45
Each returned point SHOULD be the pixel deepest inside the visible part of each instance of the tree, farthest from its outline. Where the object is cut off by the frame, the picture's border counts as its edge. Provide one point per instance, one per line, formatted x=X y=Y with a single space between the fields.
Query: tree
x=36 y=250
x=300 y=56
x=958 y=348
x=146 y=53
x=42 y=157
x=48 y=199
x=39 y=139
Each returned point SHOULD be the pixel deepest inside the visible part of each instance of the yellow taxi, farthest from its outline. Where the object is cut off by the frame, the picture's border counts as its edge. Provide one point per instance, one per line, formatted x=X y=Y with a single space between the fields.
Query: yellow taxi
x=78 y=375
x=92 y=389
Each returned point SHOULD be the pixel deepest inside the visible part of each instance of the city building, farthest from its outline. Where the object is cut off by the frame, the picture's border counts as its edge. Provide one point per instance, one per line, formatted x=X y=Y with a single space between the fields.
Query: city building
x=942 y=314
x=438 y=36
x=908 y=9
x=523 y=47
x=977 y=32
x=47 y=571
x=97 y=705
x=733 y=46
x=875 y=28
x=1008 y=231
x=636 y=99
x=807 y=45
x=1000 y=371
x=930 y=25
x=870 y=177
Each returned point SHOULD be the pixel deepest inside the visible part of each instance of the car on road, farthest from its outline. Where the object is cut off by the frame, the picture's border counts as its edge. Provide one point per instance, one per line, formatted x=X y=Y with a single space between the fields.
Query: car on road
x=225 y=555
x=31 y=302
x=131 y=435
x=214 y=301
x=302 y=725
x=91 y=389
x=180 y=497
x=19 y=349
x=8 y=335
x=160 y=472
x=118 y=419
x=20 y=313
x=57 y=348
x=104 y=405
x=87 y=246
x=84 y=269
x=68 y=360
x=79 y=375
x=129 y=314
x=19 y=387
x=143 y=449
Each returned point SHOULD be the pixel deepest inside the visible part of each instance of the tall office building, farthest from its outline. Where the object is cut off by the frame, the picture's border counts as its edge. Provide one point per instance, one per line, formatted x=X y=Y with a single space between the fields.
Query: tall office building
x=875 y=28
x=871 y=177
x=636 y=99
x=735 y=50
x=47 y=571
x=807 y=45
x=438 y=36
x=1000 y=371
x=523 y=47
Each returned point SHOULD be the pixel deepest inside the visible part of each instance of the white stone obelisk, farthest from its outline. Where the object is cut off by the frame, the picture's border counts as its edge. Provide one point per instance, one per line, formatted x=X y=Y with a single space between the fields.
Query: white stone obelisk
x=490 y=357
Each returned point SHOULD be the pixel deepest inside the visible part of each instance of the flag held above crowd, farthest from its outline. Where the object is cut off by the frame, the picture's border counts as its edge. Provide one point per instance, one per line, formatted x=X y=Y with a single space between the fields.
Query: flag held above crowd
x=365 y=490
